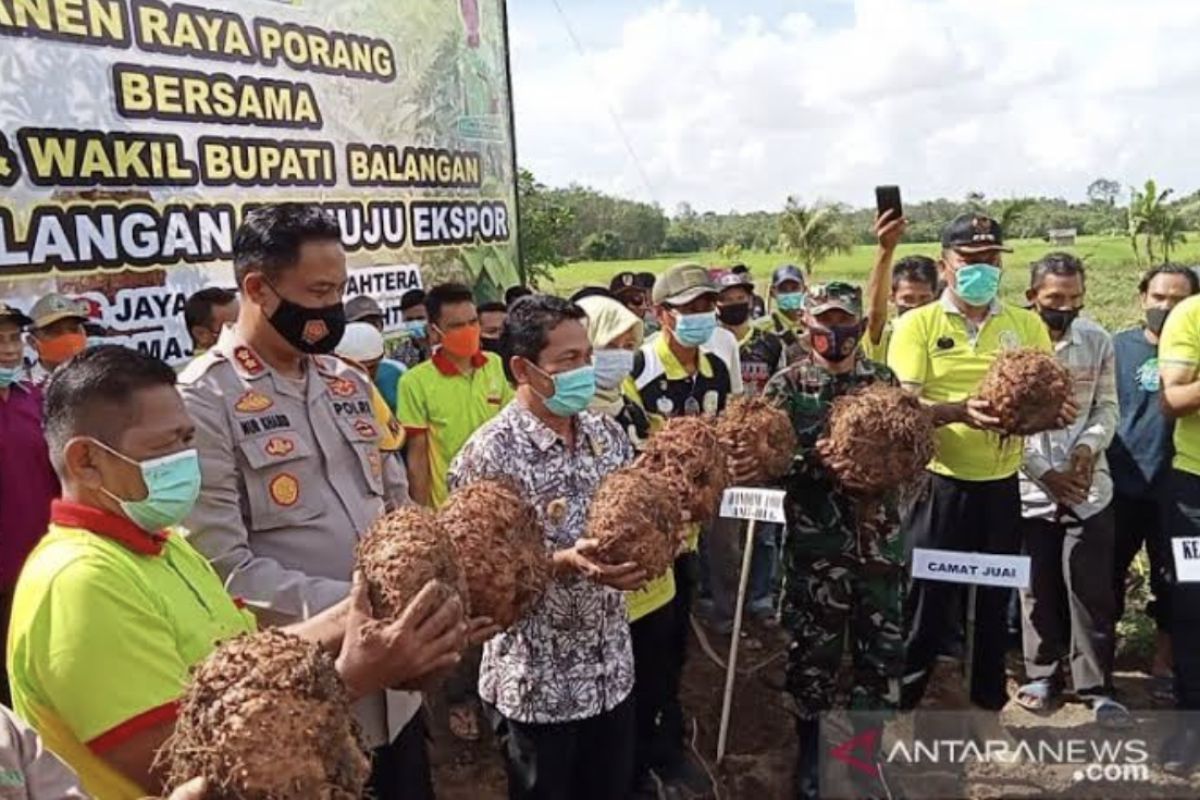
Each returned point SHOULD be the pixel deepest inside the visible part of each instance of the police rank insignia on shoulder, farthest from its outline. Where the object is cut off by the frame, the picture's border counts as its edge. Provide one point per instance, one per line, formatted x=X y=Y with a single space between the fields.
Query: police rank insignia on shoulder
x=253 y=402
x=342 y=387
x=245 y=357
x=365 y=429
x=279 y=446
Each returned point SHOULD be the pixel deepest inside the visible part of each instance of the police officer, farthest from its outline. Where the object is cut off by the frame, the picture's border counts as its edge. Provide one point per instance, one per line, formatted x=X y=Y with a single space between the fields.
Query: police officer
x=289 y=449
x=843 y=558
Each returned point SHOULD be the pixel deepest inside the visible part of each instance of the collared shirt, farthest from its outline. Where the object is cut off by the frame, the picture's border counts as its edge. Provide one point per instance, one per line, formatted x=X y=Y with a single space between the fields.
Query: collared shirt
x=822 y=520
x=292 y=476
x=1087 y=352
x=571 y=657
x=878 y=352
x=107 y=622
x=27 y=481
x=1140 y=453
x=668 y=390
x=447 y=406
x=940 y=353
x=725 y=346
x=762 y=355
x=28 y=769
x=387 y=381
x=1179 y=346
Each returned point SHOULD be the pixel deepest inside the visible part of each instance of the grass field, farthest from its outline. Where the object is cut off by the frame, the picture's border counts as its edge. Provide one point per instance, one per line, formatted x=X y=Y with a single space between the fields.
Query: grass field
x=1112 y=279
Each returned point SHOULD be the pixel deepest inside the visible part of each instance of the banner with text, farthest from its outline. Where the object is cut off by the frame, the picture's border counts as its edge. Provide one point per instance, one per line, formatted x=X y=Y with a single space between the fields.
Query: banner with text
x=135 y=134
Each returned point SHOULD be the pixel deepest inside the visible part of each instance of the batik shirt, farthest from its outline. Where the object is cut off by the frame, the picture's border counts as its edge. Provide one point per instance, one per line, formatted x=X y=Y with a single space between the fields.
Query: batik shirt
x=571 y=657
x=823 y=520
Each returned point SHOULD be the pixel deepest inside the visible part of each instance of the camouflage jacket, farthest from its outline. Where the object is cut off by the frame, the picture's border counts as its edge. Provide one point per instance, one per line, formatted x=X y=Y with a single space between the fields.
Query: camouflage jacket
x=823 y=520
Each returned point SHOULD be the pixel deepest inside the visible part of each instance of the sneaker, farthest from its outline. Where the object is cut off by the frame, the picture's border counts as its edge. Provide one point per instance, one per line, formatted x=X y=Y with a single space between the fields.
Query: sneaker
x=763 y=609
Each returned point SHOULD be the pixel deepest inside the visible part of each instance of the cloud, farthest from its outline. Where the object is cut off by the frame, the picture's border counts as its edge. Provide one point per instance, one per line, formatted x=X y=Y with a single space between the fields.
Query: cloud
x=940 y=96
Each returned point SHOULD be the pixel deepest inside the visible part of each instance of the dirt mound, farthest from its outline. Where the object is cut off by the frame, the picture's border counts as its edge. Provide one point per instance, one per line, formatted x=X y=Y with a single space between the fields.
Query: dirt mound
x=882 y=435
x=266 y=717
x=636 y=517
x=1027 y=389
x=689 y=454
x=402 y=552
x=764 y=429
x=501 y=549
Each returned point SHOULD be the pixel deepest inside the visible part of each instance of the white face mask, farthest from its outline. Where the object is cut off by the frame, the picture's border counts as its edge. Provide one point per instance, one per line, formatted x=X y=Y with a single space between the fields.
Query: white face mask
x=612 y=367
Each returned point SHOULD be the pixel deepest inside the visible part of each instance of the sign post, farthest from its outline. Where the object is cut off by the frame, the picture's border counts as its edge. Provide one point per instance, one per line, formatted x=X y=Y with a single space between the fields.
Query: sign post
x=754 y=505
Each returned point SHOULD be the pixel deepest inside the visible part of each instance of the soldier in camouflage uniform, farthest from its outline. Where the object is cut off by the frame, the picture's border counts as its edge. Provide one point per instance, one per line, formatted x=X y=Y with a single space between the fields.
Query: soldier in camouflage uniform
x=843 y=556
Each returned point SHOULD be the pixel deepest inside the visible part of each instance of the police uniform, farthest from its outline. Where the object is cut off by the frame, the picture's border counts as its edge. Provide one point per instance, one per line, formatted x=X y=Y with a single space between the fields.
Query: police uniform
x=292 y=478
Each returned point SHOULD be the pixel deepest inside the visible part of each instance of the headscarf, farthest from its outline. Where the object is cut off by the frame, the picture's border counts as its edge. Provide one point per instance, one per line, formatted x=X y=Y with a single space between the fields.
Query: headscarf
x=608 y=319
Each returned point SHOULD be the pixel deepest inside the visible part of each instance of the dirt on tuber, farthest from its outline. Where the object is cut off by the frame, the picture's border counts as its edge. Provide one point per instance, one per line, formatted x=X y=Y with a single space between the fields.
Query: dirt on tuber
x=402 y=552
x=1026 y=388
x=880 y=438
x=688 y=452
x=635 y=517
x=763 y=430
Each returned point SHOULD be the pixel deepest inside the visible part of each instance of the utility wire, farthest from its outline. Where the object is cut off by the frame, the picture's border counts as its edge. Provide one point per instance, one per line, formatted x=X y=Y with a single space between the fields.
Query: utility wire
x=612 y=114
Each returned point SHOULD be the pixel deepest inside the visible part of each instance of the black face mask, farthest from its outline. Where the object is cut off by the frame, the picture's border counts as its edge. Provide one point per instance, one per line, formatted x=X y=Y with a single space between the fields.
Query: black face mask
x=490 y=345
x=835 y=344
x=1058 y=320
x=735 y=314
x=1156 y=318
x=309 y=330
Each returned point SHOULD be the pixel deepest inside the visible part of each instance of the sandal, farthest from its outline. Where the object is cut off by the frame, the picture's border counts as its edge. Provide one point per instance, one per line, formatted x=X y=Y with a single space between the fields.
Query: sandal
x=1038 y=696
x=1111 y=714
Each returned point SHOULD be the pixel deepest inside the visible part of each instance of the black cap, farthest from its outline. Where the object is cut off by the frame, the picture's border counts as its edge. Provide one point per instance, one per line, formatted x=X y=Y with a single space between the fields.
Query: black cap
x=623 y=281
x=411 y=299
x=515 y=293
x=974 y=233
x=645 y=280
x=591 y=291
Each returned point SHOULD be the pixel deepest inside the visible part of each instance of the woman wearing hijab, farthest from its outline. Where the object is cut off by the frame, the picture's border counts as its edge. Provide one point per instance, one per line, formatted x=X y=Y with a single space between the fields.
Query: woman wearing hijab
x=616 y=334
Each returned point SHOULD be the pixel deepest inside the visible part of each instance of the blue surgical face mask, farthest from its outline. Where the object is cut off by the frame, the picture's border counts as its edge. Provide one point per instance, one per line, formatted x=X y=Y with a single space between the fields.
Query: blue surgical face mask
x=9 y=376
x=790 y=301
x=172 y=486
x=573 y=390
x=977 y=284
x=693 y=330
x=417 y=328
x=612 y=367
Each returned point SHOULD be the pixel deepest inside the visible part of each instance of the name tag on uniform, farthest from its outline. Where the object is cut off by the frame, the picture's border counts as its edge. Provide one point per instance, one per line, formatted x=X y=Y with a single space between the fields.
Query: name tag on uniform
x=1187 y=558
x=982 y=569
x=764 y=505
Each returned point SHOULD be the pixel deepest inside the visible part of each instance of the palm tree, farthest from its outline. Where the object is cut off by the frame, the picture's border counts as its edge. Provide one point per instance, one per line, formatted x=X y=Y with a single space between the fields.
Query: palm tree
x=813 y=233
x=1170 y=227
x=1011 y=213
x=1149 y=215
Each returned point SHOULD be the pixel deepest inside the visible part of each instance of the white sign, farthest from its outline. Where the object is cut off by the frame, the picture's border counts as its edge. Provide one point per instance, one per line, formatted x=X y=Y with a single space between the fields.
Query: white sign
x=983 y=569
x=387 y=285
x=744 y=502
x=1187 y=558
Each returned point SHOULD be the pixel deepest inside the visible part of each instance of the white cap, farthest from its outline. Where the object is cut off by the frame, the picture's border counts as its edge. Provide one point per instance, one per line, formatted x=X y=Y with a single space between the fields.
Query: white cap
x=362 y=342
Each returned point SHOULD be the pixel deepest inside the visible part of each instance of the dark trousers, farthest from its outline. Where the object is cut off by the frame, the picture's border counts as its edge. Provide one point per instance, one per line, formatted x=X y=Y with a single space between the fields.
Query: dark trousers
x=588 y=759
x=1069 y=608
x=653 y=666
x=400 y=770
x=1142 y=520
x=968 y=516
x=671 y=724
x=1184 y=520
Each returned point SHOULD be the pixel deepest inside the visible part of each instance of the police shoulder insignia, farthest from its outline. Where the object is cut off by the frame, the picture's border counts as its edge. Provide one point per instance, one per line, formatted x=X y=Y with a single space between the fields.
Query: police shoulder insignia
x=247 y=360
x=252 y=402
x=279 y=446
x=342 y=387
x=285 y=489
x=365 y=429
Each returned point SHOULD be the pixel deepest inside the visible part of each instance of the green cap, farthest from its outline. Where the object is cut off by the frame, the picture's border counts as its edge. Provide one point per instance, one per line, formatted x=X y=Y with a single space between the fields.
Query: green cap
x=835 y=294
x=681 y=284
x=54 y=307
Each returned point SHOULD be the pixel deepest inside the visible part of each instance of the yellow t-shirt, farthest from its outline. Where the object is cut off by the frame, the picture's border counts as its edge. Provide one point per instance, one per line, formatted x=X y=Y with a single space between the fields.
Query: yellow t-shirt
x=107 y=622
x=933 y=347
x=1179 y=346
x=878 y=352
x=447 y=406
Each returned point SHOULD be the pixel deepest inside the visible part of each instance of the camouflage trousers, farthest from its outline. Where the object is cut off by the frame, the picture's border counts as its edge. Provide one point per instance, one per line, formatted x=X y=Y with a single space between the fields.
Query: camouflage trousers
x=830 y=603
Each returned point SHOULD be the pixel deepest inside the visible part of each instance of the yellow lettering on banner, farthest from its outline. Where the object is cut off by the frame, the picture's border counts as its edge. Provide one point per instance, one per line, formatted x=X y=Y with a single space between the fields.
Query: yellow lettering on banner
x=102 y=20
x=183 y=29
x=163 y=93
x=52 y=156
x=262 y=162
x=74 y=158
x=324 y=51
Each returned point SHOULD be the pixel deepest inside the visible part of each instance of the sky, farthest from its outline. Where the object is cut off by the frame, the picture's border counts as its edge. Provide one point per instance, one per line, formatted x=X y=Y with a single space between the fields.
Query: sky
x=737 y=104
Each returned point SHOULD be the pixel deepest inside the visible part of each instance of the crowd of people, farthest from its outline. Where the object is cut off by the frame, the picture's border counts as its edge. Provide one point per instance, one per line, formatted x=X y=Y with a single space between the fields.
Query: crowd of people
x=149 y=514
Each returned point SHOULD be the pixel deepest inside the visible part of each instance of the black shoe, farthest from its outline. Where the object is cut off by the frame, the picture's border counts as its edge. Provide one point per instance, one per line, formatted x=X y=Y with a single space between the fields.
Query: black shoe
x=1181 y=751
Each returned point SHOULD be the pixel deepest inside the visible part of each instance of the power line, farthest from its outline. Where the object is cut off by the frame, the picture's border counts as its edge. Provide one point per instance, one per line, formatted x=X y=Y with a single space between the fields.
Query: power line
x=612 y=114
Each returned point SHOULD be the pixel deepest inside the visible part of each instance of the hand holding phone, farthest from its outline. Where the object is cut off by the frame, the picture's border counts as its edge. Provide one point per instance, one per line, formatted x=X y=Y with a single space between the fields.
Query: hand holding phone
x=887 y=198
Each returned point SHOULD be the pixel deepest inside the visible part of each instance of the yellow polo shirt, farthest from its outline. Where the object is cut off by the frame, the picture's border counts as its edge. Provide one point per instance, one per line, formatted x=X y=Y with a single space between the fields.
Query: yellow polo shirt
x=107 y=622
x=1179 y=346
x=878 y=352
x=445 y=405
x=933 y=347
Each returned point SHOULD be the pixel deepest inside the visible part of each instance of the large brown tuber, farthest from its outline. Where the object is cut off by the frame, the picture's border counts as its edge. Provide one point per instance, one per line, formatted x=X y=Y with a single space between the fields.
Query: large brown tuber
x=689 y=454
x=763 y=430
x=1026 y=388
x=879 y=438
x=501 y=549
x=266 y=717
x=402 y=552
x=636 y=518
